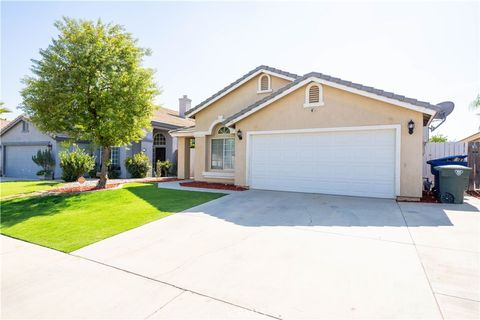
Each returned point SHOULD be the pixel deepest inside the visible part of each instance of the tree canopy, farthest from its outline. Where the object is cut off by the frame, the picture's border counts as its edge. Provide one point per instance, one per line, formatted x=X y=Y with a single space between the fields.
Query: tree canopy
x=438 y=138
x=3 y=109
x=90 y=84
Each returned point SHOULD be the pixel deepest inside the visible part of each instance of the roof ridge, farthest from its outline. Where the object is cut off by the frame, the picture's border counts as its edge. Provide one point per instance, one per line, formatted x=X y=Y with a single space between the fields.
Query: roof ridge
x=239 y=80
x=340 y=81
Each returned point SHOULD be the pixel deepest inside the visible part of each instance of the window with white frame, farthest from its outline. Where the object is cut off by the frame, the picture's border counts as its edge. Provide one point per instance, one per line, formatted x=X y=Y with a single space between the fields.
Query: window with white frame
x=264 y=83
x=223 y=153
x=115 y=156
x=25 y=126
x=223 y=130
x=313 y=95
x=159 y=139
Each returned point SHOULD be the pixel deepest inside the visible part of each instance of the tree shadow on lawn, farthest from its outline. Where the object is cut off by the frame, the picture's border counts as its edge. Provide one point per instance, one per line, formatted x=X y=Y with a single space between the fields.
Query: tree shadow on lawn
x=45 y=183
x=15 y=211
x=171 y=200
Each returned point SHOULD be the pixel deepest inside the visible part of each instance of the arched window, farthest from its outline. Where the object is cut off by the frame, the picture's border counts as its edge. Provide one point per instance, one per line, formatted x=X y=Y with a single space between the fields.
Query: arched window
x=223 y=130
x=313 y=95
x=264 y=84
x=159 y=139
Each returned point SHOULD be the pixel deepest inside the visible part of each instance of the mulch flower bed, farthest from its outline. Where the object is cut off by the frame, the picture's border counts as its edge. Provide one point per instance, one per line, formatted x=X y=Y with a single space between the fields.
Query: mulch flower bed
x=83 y=188
x=212 y=185
x=76 y=187
x=427 y=197
x=474 y=193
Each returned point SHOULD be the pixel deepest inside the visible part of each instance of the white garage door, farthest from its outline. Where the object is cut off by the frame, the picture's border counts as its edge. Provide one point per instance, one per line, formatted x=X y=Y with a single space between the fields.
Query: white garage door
x=356 y=163
x=18 y=161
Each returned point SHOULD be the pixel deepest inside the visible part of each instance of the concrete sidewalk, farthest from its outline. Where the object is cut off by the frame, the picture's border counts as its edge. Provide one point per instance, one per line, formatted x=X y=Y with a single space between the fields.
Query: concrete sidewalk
x=41 y=283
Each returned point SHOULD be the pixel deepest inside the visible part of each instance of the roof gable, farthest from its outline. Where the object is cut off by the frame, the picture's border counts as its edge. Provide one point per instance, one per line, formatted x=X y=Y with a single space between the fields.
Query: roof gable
x=12 y=124
x=237 y=83
x=338 y=83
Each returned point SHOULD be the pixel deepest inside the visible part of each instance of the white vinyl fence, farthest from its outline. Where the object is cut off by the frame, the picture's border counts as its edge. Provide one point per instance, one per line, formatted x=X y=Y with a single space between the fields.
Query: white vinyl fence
x=435 y=150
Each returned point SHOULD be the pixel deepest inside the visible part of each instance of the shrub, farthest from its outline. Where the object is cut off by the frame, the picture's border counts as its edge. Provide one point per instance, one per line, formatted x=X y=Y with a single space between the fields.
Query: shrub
x=93 y=172
x=162 y=168
x=75 y=163
x=138 y=166
x=44 y=159
x=114 y=171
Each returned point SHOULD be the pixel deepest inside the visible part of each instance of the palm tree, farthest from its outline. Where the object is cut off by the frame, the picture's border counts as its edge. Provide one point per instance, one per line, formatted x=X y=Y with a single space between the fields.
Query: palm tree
x=3 y=109
x=475 y=105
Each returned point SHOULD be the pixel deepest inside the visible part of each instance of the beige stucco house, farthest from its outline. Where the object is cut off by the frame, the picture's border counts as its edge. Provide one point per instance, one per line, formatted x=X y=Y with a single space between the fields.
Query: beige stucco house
x=275 y=130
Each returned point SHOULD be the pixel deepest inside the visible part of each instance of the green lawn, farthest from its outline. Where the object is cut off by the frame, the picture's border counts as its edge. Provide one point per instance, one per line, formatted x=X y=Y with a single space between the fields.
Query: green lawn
x=69 y=222
x=10 y=188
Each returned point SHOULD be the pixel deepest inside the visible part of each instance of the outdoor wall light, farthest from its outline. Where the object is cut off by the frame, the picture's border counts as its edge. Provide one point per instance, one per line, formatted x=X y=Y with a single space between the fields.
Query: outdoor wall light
x=144 y=150
x=411 y=126
x=49 y=146
x=240 y=134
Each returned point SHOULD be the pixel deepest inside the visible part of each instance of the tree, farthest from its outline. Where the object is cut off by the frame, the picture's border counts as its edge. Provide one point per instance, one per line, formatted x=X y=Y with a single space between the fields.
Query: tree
x=44 y=159
x=90 y=84
x=475 y=105
x=3 y=109
x=438 y=138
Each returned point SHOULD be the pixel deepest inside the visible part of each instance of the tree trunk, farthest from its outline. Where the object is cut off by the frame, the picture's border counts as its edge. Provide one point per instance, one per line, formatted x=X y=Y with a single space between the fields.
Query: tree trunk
x=102 y=183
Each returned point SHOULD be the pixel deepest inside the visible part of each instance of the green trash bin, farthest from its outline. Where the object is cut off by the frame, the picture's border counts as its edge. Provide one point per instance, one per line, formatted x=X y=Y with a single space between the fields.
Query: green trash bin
x=453 y=182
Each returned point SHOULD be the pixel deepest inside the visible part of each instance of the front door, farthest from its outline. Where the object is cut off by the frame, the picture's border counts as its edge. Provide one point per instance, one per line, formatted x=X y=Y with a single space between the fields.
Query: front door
x=159 y=154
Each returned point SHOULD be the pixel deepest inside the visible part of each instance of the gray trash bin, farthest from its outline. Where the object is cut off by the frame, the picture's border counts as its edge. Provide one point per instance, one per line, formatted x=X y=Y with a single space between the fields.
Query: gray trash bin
x=453 y=183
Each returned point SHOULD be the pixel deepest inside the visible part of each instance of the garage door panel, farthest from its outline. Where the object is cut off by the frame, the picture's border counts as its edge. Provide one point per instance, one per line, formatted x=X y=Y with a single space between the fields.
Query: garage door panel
x=360 y=163
x=18 y=161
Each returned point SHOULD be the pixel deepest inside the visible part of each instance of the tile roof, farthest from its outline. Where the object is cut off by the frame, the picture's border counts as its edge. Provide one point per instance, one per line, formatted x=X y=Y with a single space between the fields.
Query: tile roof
x=3 y=123
x=350 y=84
x=245 y=76
x=171 y=117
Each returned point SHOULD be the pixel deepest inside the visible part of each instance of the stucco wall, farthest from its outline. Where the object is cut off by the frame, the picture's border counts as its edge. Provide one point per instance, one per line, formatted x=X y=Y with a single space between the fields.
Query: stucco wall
x=16 y=136
x=235 y=101
x=226 y=106
x=341 y=109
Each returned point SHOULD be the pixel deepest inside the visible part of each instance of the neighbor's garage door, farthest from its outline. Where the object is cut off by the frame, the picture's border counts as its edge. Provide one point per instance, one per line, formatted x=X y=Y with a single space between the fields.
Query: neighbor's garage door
x=18 y=161
x=357 y=163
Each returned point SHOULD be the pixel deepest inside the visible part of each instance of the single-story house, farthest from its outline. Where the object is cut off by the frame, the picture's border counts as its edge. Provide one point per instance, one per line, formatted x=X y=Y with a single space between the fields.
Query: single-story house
x=21 y=139
x=275 y=130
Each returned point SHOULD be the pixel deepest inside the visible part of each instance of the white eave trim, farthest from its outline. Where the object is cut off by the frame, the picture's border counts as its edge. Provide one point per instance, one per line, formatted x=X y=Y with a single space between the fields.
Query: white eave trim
x=253 y=75
x=181 y=134
x=338 y=86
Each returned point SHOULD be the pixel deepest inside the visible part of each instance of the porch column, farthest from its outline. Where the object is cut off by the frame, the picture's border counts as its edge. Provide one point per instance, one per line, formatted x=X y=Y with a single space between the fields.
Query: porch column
x=183 y=162
x=200 y=158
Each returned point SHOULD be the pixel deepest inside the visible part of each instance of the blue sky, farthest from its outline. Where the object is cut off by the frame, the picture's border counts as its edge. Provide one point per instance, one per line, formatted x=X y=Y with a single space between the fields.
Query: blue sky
x=426 y=50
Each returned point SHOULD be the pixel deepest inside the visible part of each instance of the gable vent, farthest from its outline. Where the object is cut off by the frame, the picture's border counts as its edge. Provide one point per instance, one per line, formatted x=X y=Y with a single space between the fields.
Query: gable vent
x=264 y=83
x=314 y=94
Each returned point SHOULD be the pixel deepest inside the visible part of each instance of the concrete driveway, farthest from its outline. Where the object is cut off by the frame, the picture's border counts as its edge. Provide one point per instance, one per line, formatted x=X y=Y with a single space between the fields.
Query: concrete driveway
x=294 y=255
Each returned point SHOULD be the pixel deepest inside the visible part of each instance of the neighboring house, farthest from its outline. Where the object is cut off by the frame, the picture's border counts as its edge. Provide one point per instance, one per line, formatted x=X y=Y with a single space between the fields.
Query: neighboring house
x=3 y=123
x=21 y=139
x=472 y=138
x=275 y=130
